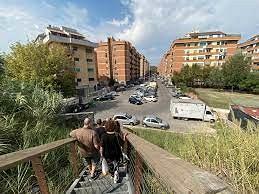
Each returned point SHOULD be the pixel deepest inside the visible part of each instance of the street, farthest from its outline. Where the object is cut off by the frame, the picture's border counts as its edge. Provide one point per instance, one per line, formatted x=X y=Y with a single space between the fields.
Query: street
x=161 y=109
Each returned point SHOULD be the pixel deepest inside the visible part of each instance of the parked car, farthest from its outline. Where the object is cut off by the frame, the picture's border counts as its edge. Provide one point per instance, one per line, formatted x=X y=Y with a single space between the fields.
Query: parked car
x=134 y=100
x=126 y=119
x=150 y=98
x=121 y=88
x=105 y=97
x=136 y=96
x=153 y=121
x=113 y=93
x=183 y=96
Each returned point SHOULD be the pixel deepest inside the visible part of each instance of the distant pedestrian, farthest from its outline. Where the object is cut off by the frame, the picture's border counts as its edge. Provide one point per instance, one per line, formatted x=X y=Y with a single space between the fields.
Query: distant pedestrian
x=88 y=143
x=100 y=128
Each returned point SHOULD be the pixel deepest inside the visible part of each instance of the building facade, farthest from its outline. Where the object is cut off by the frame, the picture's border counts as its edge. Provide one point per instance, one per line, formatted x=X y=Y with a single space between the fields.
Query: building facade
x=80 y=50
x=117 y=60
x=144 y=67
x=250 y=48
x=201 y=48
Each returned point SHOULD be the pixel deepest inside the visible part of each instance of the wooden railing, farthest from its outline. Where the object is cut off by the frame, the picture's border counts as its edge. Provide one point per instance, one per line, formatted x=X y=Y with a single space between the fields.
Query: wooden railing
x=34 y=154
x=148 y=164
x=174 y=174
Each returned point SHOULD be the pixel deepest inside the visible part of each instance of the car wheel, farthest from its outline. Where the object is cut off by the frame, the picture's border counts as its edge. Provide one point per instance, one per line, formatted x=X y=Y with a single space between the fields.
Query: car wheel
x=144 y=125
x=212 y=121
x=163 y=127
x=132 y=124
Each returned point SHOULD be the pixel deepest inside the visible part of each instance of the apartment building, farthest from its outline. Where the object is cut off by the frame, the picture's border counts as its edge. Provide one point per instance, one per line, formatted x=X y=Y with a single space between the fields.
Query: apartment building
x=201 y=48
x=118 y=60
x=79 y=49
x=144 y=67
x=250 y=48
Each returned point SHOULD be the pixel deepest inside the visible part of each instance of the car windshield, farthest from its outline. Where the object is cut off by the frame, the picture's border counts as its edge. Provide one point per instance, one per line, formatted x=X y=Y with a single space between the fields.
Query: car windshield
x=128 y=116
x=159 y=120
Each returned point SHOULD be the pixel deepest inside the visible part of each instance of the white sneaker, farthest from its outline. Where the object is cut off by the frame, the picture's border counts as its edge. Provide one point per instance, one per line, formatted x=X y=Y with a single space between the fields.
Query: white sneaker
x=116 y=177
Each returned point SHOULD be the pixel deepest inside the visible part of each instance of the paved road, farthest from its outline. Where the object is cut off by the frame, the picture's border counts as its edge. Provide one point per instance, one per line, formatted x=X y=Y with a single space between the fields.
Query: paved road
x=161 y=109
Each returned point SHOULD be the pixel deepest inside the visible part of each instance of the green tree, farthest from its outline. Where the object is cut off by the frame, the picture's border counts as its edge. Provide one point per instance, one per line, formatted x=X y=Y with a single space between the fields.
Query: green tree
x=235 y=70
x=1 y=64
x=153 y=69
x=251 y=83
x=40 y=64
x=216 y=78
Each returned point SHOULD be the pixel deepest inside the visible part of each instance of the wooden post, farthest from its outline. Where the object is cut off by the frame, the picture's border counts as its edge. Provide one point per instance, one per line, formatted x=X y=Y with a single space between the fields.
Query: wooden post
x=40 y=174
x=138 y=173
x=73 y=159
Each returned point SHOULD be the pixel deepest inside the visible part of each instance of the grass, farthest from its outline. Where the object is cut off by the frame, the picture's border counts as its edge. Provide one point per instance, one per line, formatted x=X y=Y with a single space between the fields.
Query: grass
x=232 y=154
x=223 y=99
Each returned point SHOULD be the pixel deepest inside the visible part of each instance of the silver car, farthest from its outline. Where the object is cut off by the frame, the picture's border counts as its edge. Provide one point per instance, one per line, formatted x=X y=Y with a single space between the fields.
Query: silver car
x=153 y=121
x=126 y=119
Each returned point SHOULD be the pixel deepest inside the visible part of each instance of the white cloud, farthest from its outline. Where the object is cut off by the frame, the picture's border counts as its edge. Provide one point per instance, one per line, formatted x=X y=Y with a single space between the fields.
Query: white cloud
x=124 y=21
x=157 y=23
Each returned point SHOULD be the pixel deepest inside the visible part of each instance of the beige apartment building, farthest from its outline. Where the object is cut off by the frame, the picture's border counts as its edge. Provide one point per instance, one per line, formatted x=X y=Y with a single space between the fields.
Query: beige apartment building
x=118 y=60
x=201 y=48
x=144 y=67
x=250 y=48
x=79 y=49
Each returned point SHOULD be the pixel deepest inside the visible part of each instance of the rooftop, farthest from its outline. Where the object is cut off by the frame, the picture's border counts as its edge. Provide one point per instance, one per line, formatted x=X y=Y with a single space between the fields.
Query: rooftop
x=251 y=111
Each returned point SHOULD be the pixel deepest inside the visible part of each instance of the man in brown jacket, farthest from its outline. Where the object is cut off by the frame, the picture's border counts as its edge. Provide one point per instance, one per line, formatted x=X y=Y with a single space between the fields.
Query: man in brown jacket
x=88 y=143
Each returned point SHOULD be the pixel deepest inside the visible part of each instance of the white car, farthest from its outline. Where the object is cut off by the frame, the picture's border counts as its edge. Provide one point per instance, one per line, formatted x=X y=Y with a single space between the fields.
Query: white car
x=150 y=98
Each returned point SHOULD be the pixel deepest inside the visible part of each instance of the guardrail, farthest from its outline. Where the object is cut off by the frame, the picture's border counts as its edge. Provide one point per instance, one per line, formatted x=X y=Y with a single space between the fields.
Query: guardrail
x=151 y=169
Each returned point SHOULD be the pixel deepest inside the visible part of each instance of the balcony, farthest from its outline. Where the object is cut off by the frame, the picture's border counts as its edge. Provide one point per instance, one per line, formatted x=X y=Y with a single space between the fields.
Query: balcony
x=53 y=38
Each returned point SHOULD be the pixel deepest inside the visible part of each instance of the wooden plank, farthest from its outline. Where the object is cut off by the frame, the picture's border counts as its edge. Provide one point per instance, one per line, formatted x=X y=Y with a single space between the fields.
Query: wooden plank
x=40 y=174
x=74 y=159
x=178 y=175
x=12 y=159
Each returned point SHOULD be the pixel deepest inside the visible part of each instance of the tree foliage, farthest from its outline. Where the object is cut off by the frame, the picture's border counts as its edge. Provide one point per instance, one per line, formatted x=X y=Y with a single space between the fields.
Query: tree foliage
x=235 y=70
x=235 y=74
x=37 y=63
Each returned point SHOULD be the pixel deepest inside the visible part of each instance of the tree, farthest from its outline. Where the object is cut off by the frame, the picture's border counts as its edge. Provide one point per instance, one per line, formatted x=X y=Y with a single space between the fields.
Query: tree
x=1 y=64
x=251 y=83
x=153 y=69
x=216 y=78
x=236 y=70
x=40 y=64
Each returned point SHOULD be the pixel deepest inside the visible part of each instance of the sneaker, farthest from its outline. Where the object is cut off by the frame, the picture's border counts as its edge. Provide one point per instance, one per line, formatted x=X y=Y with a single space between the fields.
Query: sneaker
x=116 y=177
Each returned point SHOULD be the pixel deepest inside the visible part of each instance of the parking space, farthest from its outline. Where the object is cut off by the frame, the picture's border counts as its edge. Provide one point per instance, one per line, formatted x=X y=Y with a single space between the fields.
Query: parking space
x=161 y=109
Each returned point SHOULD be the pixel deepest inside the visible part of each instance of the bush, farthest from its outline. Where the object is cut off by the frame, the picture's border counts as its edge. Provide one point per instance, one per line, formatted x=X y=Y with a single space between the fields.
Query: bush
x=232 y=153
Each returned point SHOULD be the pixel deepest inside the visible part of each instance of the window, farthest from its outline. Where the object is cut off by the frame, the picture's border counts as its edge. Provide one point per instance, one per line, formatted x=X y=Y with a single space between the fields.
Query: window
x=89 y=60
x=90 y=70
x=194 y=58
x=76 y=59
x=187 y=58
x=148 y=120
x=218 y=43
x=88 y=50
x=195 y=44
x=153 y=121
x=77 y=69
x=106 y=55
x=91 y=79
x=115 y=61
x=202 y=43
x=208 y=113
x=78 y=79
x=74 y=48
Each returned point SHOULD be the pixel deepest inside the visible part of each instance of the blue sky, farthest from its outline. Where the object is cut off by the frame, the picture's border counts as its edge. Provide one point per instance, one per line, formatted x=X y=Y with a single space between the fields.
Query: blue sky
x=151 y=25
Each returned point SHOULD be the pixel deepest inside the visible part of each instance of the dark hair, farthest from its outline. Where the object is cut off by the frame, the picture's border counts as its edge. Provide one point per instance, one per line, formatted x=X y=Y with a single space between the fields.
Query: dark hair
x=117 y=127
x=110 y=126
x=104 y=122
x=99 y=122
